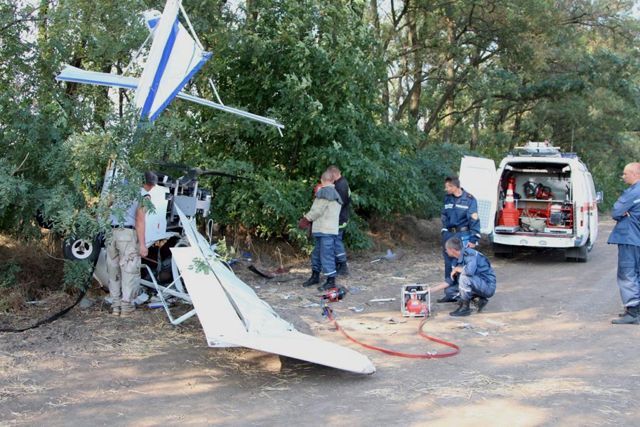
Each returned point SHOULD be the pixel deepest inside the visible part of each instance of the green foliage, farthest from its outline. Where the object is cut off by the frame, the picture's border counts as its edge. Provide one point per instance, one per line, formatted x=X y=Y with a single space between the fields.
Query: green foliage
x=436 y=163
x=225 y=251
x=9 y=271
x=77 y=274
x=200 y=265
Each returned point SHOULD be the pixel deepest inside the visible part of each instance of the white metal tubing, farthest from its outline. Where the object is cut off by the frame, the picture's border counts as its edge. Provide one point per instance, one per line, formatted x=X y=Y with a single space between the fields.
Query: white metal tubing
x=137 y=54
x=231 y=110
x=165 y=290
x=197 y=40
x=161 y=290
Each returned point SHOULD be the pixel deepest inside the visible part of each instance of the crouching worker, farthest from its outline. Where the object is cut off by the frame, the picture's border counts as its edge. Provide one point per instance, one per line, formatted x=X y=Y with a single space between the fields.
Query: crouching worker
x=323 y=216
x=474 y=274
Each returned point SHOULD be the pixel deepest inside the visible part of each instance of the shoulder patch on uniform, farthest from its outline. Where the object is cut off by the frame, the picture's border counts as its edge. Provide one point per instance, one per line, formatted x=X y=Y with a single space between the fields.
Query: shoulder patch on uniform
x=474 y=215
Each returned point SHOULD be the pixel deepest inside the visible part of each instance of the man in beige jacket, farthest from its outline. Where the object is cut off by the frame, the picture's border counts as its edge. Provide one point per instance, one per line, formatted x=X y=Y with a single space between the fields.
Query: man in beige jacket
x=324 y=216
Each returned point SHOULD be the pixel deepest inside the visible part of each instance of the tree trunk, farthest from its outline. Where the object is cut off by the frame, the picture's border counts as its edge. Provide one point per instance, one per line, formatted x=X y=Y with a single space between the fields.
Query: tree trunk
x=432 y=121
x=414 y=42
x=475 y=131
x=502 y=117
x=451 y=76
x=515 y=136
x=252 y=13
x=375 y=19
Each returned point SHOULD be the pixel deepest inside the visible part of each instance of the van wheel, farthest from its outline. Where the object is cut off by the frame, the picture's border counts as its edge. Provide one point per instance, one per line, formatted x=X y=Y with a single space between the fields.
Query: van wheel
x=503 y=251
x=579 y=254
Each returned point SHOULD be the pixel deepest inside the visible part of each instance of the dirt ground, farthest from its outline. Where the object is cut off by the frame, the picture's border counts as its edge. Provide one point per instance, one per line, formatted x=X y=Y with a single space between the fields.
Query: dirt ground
x=543 y=353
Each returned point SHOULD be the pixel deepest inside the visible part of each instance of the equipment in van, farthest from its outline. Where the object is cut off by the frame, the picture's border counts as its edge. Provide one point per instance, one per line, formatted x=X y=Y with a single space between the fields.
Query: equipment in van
x=509 y=216
x=558 y=203
x=543 y=192
x=529 y=189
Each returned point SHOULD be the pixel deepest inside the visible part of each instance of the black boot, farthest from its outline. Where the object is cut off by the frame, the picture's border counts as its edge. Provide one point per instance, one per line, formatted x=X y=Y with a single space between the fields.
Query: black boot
x=330 y=283
x=463 y=309
x=313 y=280
x=480 y=303
x=631 y=317
x=342 y=268
x=448 y=298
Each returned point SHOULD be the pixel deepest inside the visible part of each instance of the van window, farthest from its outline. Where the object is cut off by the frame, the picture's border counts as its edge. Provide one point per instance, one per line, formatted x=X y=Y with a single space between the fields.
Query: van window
x=591 y=186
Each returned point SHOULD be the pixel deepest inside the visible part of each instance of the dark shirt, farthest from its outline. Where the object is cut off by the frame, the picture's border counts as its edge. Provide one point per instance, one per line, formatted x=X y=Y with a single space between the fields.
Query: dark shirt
x=462 y=212
x=476 y=264
x=626 y=212
x=342 y=187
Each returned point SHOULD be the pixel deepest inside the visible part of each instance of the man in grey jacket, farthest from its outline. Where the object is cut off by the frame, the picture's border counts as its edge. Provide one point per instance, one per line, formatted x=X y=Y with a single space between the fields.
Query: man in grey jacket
x=324 y=217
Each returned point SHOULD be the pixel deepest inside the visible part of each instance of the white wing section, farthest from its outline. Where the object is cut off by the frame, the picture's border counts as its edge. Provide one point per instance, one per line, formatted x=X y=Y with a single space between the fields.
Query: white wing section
x=173 y=59
x=232 y=314
x=77 y=75
x=478 y=176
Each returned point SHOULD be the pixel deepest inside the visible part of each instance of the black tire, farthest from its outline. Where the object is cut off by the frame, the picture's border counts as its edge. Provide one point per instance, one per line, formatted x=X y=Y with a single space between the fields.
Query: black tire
x=82 y=249
x=579 y=254
x=42 y=222
x=503 y=251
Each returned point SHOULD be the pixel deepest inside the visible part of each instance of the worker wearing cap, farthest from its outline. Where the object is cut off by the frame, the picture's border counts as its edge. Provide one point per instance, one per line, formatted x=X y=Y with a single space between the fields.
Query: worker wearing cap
x=125 y=246
x=342 y=187
x=474 y=274
x=626 y=234
x=459 y=219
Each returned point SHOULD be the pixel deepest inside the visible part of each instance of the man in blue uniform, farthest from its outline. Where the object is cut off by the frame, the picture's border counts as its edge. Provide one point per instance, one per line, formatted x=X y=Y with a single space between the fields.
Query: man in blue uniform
x=459 y=219
x=626 y=234
x=476 y=278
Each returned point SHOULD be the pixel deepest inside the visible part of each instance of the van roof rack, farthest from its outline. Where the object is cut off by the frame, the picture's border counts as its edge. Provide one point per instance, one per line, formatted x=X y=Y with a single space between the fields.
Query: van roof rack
x=570 y=155
x=533 y=148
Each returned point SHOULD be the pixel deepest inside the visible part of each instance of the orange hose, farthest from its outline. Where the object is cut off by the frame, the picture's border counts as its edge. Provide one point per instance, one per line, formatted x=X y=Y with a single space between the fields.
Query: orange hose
x=455 y=348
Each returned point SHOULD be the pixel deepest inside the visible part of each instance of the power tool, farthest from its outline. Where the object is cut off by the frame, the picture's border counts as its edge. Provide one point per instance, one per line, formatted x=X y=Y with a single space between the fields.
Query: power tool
x=334 y=294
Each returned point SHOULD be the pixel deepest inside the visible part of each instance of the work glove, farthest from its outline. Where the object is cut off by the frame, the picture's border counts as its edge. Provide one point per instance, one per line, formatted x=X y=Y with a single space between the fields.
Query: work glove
x=304 y=223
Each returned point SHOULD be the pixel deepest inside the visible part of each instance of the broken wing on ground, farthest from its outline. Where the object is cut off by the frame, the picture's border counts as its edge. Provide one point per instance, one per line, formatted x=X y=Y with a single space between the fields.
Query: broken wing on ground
x=231 y=313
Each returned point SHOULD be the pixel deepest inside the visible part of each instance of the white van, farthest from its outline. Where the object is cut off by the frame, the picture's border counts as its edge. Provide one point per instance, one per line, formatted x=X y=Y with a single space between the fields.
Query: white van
x=539 y=197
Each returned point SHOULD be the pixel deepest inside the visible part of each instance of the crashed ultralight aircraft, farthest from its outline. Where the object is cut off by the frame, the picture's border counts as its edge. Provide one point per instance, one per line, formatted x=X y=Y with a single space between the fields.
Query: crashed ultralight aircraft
x=229 y=311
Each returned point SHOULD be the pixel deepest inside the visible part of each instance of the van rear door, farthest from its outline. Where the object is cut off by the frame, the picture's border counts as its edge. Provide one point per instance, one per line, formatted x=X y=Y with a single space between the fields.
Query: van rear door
x=593 y=209
x=478 y=176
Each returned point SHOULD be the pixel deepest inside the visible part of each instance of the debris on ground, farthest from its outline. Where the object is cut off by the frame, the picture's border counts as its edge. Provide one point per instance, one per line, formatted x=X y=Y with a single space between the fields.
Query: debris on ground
x=86 y=303
x=260 y=273
x=382 y=300
x=310 y=305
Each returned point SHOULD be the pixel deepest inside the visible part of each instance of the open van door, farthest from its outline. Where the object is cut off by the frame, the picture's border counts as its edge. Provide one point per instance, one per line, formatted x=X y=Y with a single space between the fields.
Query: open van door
x=479 y=177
